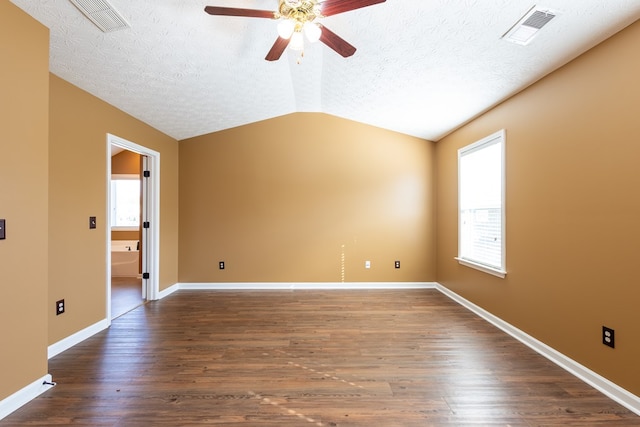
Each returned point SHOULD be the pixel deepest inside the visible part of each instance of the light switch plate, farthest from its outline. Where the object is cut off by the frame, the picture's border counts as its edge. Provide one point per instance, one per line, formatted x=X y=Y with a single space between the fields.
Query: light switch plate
x=3 y=234
x=92 y=222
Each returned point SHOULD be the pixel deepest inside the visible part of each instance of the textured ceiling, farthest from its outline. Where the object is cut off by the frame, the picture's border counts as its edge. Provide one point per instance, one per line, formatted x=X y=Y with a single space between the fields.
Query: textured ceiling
x=423 y=67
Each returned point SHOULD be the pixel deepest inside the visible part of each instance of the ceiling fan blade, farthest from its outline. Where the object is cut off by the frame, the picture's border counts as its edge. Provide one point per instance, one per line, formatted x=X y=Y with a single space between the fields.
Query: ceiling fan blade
x=277 y=49
x=336 y=42
x=333 y=7
x=234 y=11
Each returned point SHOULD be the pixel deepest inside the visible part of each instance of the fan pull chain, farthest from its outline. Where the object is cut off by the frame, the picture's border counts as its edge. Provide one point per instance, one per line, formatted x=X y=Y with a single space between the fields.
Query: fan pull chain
x=299 y=60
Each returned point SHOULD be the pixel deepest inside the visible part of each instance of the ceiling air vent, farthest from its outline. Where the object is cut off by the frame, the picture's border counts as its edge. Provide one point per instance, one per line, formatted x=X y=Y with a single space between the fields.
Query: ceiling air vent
x=102 y=14
x=528 y=26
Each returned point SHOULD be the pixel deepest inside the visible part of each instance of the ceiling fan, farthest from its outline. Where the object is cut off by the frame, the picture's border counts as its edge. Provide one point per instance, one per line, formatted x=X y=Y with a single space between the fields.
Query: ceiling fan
x=298 y=17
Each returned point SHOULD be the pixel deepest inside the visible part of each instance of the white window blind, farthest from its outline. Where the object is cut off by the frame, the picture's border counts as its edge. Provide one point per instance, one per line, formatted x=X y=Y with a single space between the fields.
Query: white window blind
x=481 y=203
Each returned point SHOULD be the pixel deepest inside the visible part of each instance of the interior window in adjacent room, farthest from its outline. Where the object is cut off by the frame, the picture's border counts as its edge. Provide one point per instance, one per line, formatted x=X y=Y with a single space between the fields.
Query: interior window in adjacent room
x=125 y=202
x=481 y=219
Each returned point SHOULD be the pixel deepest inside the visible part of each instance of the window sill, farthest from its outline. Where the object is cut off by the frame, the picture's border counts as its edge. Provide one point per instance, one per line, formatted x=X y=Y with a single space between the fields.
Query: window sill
x=484 y=268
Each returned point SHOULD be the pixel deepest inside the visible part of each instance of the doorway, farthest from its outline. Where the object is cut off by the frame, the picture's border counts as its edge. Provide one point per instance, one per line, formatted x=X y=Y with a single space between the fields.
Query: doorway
x=132 y=234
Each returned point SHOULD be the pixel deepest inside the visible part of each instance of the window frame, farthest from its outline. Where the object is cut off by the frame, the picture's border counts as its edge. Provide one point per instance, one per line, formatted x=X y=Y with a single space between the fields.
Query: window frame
x=498 y=137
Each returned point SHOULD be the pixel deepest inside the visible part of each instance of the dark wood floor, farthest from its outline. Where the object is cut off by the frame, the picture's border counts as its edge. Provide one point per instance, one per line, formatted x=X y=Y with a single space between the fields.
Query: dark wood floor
x=126 y=294
x=311 y=358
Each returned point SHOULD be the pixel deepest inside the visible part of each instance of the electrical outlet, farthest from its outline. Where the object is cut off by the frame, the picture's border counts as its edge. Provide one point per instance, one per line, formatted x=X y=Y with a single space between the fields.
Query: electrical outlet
x=397 y=264
x=367 y=264
x=608 y=337
x=59 y=307
x=221 y=265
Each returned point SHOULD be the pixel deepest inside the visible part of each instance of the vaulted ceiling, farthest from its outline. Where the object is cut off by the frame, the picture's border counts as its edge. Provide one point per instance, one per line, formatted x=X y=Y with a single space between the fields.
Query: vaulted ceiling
x=422 y=67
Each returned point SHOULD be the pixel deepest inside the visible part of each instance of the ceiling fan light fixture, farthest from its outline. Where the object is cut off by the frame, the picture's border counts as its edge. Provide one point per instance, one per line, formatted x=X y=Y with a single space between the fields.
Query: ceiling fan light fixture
x=297 y=41
x=312 y=31
x=301 y=15
x=286 y=28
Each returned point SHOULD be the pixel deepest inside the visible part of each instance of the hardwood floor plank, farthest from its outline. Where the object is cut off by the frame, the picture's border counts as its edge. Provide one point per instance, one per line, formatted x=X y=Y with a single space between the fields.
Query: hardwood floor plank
x=311 y=358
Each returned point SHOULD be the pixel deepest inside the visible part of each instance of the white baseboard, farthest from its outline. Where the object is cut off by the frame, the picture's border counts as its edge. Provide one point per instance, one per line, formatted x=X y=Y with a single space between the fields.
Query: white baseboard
x=70 y=341
x=306 y=285
x=24 y=395
x=600 y=383
x=166 y=292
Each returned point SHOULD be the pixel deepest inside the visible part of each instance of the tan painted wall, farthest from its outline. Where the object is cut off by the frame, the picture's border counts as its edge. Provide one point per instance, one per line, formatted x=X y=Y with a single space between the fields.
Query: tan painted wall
x=24 y=85
x=125 y=163
x=78 y=189
x=572 y=209
x=278 y=200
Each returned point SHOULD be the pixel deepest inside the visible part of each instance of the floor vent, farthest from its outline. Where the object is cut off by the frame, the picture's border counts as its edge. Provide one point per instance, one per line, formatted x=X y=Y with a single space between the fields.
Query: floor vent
x=528 y=26
x=102 y=14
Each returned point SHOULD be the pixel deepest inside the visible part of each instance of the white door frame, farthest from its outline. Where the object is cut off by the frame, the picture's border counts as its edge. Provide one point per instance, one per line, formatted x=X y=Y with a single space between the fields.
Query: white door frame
x=152 y=243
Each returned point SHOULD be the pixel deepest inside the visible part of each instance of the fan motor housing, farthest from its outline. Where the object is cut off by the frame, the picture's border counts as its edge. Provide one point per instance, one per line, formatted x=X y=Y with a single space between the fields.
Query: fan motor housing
x=301 y=10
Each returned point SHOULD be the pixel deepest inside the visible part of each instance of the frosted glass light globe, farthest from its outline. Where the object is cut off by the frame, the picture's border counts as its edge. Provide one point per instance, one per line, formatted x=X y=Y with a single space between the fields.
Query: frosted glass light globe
x=312 y=31
x=285 y=28
x=297 y=41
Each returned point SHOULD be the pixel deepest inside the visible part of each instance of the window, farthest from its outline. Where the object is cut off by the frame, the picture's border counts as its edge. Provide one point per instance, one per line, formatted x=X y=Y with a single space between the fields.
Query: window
x=481 y=205
x=125 y=202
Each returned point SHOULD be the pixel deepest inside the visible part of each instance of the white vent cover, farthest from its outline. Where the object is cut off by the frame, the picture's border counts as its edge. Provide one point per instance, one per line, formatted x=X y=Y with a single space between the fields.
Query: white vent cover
x=529 y=25
x=102 y=14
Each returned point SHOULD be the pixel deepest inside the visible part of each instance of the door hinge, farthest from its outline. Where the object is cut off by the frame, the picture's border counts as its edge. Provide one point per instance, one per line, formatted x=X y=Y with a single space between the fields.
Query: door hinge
x=146 y=224
x=145 y=275
x=146 y=174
